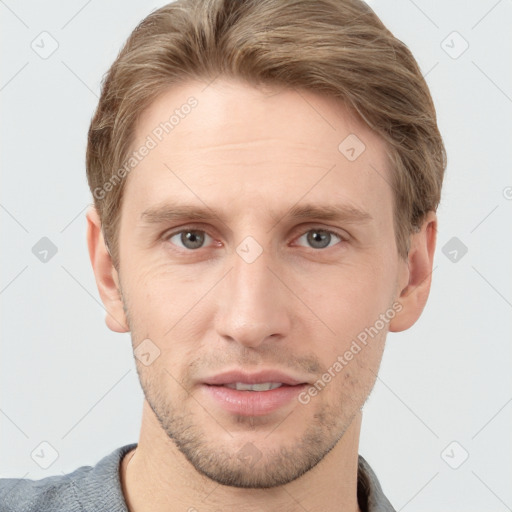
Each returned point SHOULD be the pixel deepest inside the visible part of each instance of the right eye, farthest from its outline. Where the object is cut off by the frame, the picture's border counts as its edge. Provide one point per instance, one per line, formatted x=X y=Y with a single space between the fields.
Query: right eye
x=189 y=238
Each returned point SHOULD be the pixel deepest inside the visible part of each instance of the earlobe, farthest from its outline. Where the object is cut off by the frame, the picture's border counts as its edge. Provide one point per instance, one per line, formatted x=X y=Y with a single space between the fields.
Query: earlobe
x=105 y=274
x=414 y=290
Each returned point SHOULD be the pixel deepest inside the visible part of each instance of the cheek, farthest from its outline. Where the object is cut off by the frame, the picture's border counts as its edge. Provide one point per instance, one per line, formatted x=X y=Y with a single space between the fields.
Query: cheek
x=348 y=297
x=350 y=304
x=169 y=308
x=353 y=371
x=157 y=292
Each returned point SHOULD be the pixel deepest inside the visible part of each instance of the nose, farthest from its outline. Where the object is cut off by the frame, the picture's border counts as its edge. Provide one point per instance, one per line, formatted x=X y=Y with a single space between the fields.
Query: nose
x=252 y=304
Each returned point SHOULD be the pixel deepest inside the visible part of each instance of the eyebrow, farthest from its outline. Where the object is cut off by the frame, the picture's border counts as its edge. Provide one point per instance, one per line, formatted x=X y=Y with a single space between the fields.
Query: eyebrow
x=339 y=212
x=343 y=212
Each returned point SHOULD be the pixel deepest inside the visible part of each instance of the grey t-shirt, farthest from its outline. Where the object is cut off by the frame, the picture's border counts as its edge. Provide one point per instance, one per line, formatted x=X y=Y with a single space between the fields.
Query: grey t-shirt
x=98 y=489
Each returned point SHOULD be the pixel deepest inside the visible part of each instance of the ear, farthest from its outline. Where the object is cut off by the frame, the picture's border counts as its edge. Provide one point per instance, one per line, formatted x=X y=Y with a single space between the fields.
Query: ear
x=414 y=283
x=107 y=279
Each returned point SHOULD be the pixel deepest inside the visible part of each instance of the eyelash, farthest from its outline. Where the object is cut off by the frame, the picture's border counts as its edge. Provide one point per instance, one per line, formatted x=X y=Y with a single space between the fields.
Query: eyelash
x=167 y=236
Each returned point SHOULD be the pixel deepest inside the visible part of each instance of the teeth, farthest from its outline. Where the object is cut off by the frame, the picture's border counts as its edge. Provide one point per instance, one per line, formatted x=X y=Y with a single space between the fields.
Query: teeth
x=262 y=386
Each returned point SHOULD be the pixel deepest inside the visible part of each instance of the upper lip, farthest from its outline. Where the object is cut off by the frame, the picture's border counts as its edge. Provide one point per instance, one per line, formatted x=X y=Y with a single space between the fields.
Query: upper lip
x=234 y=376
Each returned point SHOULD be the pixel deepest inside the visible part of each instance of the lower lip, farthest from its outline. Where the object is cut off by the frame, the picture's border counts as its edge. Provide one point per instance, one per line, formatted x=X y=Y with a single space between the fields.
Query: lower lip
x=253 y=403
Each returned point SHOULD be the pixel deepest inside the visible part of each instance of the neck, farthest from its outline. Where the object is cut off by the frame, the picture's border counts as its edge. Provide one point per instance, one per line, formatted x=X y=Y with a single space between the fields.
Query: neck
x=156 y=477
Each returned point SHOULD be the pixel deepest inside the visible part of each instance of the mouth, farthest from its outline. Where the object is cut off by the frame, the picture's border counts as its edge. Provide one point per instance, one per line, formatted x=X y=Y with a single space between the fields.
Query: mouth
x=255 y=394
x=266 y=378
x=262 y=386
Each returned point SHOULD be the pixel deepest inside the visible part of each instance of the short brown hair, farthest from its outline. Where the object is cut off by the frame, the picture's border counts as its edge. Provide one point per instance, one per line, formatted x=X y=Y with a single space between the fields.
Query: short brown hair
x=337 y=48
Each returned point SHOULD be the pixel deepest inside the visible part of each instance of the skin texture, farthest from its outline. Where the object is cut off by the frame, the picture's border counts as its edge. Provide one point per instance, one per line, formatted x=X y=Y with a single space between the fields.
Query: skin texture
x=250 y=155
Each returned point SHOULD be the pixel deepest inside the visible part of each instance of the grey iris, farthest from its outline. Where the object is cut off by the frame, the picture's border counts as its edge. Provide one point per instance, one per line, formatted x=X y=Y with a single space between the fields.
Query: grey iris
x=318 y=238
x=192 y=239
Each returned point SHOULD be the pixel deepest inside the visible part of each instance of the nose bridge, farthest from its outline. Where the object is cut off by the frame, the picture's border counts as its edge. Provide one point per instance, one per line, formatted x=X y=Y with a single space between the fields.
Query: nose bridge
x=250 y=281
x=252 y=307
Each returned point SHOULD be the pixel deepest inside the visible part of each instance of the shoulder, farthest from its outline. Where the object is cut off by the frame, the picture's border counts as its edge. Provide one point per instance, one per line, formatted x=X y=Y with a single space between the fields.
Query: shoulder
x=49 y=494
x=88 y=488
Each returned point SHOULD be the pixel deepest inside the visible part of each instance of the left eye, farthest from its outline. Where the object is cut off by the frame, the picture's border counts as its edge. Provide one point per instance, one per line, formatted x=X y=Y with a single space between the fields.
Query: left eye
x=190 y=239
x=321 y=238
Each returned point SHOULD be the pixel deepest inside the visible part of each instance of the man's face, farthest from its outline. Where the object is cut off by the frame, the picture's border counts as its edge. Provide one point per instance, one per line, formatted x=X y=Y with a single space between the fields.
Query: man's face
x=263 y=282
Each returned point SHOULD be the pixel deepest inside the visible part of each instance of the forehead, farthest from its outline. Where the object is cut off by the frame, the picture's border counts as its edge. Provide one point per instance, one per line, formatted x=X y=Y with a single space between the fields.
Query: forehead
x=231 y=144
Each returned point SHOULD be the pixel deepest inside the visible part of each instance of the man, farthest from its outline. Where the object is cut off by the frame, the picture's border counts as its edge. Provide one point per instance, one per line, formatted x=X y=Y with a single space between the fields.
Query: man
x=265 y=178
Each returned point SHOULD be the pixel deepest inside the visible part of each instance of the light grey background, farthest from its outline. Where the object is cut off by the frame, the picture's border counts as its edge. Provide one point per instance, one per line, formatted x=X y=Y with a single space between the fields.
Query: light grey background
x=68 y=381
